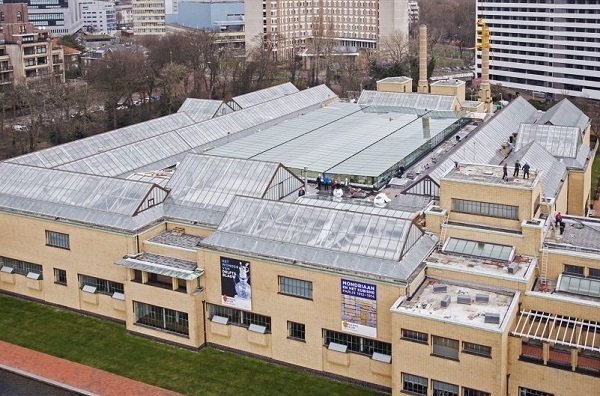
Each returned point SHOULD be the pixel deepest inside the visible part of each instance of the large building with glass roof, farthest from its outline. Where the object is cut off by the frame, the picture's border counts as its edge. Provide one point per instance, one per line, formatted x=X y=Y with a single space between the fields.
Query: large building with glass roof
x=201 y=228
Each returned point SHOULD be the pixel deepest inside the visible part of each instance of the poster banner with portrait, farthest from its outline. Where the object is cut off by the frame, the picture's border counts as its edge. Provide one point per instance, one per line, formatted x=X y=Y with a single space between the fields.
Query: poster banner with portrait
x=359 y=308
x=235 y=283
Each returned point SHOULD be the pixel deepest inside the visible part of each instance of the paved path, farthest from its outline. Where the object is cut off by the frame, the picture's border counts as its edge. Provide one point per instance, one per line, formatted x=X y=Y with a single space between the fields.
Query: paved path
x=72 y=376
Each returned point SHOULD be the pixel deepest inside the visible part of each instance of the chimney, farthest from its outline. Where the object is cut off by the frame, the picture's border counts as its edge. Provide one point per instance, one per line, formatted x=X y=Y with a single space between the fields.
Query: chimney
x=485 y=92
x=423 y=86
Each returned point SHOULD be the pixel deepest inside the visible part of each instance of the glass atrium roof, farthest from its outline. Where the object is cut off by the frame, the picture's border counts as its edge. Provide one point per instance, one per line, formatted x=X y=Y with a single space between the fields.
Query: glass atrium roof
x=565 y=113
x=340 y=138
x=407 y=100
x=479 y=249
x=265 y=95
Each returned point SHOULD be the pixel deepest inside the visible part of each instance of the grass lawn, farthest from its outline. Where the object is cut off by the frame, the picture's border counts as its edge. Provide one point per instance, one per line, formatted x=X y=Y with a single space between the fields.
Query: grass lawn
x=107 y=346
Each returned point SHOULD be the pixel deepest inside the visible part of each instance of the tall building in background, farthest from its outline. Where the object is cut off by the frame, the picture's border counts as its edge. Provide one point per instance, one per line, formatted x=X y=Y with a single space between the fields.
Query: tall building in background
x=98 y=16
x=148 y=17
x=292 y=26
x=58 y=17
x=549 y=46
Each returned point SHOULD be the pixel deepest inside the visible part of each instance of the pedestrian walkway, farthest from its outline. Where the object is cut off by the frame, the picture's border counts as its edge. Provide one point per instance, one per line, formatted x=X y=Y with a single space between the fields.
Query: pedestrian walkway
x=72 y=376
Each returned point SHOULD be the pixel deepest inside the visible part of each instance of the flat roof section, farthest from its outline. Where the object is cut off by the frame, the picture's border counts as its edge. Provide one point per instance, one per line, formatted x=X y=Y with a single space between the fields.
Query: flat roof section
x=581 y=234
x=519 y=268
x=176 y=238
x=459 y=304
x=490 y=174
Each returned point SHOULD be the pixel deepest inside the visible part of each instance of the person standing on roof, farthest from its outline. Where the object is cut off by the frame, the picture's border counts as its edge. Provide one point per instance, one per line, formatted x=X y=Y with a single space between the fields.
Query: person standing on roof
x=319 y=182
x=526 y=171
x=517 y=168
x=505 y=171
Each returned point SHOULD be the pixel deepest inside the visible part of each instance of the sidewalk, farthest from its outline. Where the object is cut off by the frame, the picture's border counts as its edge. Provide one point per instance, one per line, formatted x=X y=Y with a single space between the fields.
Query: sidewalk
x=72 y=376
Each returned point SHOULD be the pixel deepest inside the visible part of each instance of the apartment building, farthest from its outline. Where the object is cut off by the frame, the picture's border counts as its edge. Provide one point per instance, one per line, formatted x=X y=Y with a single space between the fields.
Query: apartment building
x=291 y=26
x=98 y=16
x=58 y=17
x=476 y=291
x=26 y=53
x=550 y=47
x=148 y=17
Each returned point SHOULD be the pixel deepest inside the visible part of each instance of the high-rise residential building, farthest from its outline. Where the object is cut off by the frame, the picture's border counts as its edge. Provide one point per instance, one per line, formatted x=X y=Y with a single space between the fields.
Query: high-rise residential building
x=547 y=46
x=148 y=17
x=58 y=17
x=291 y=26
x=98 y=16
x=26 y=53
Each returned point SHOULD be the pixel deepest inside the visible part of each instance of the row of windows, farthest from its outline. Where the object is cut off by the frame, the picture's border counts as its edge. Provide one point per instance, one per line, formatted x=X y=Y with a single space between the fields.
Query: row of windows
x=20 y=267
x=485 y=209
x=356 y=344
x=239 y=317
x=101 y=285
x=446 y=347
x=580 y=271
x=419 y=386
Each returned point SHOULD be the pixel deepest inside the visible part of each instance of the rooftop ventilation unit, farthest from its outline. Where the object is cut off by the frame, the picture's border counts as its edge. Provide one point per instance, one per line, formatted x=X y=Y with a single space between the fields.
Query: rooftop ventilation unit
x=463 y=299
x=445 y=301
x=482 y=298
x=513 y=268
x=491 y=317
x=440 y=288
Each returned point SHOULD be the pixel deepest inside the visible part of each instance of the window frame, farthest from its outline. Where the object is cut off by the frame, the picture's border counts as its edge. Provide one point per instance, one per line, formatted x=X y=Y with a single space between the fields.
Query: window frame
x=58 y=240
x=415 y=336
x=441 y=345
x=474 y=392
x=573 y=270
x=238 y=317
x=296 y=331
x=180 y=324
x=417 y=387
x=103 y=286
x=295 y=287
x=477 y=349
x=532 y=392
x=357 y=344
x=488 y=209
x=444 y=388
x=60 y=276
x=22 y=267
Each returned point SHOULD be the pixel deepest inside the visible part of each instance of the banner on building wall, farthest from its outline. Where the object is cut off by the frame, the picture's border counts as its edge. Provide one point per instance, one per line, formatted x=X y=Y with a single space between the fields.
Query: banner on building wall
x=235 y=283
x=359 y=308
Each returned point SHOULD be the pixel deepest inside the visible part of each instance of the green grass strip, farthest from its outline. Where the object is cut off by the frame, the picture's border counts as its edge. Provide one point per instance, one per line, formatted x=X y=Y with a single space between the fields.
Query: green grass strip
x=107 y=346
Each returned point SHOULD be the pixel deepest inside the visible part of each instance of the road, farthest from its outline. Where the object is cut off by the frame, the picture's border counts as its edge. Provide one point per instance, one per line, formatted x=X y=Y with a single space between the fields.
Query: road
x=15 y=385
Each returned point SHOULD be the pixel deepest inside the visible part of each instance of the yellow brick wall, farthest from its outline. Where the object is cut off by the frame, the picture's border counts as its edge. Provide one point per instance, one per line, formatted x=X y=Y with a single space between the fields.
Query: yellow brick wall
x=394 y=87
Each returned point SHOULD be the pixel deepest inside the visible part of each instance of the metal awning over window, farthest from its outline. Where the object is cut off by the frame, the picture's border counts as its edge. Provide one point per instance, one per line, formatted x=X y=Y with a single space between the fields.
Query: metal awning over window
x=559 y=329
x=163 y=265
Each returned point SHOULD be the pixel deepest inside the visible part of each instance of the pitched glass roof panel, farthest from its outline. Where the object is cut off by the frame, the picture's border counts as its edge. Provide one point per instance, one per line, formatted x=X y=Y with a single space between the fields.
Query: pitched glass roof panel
x=577 y=285
x=560 y=141
x=479 y=249
x=200 y=109
x=345 y=231
x=80 y=149
x=406 y=100
x=265 y=95
x=565 y=113
x=553 y=171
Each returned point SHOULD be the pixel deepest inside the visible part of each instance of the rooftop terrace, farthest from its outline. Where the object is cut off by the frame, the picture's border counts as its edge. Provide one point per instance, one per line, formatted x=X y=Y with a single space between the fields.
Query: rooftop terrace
x=490 y=174
x=581 y=234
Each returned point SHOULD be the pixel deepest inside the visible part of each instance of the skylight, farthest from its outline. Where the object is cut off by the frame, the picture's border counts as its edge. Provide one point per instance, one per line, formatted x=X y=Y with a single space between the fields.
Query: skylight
x=479 y=249
x=578 y=285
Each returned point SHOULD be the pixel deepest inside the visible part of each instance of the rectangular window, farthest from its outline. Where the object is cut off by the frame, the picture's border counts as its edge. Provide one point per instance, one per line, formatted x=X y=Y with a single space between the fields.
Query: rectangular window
x=356 y=344
x=240 y=318
x=102 y=285
x=22 y=267
x=445 y=347
x=532 y=392
x=161 y=318
x=444 y=389
x=415 y=336
x=57 y=239
x=60 y=276
x=296 y=330
x=295 y=287
x=594 y=273
x=485 y=209
x=532 y=350
x=573 y=270
x=414 y=384
x=476 y=349
x=474 y=392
